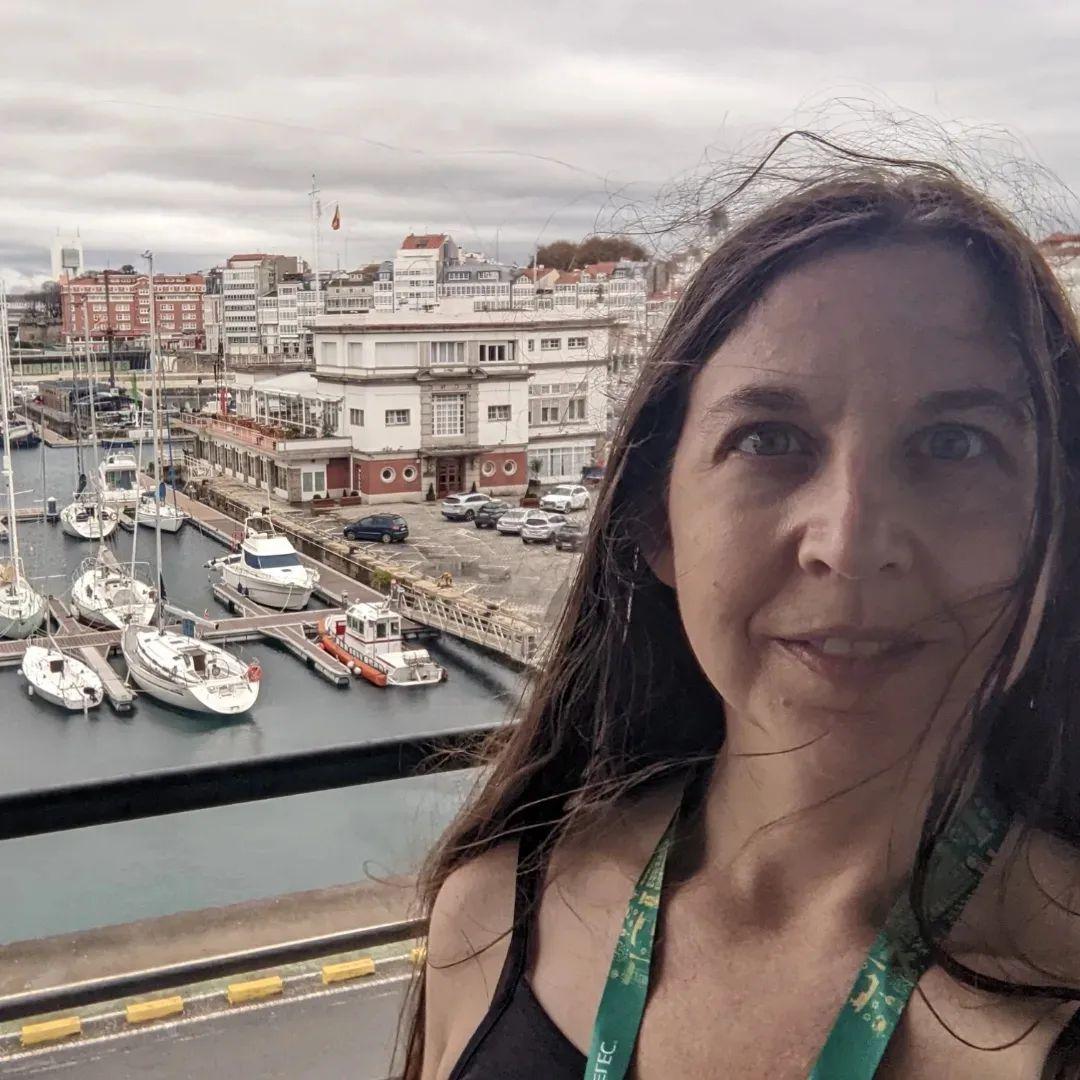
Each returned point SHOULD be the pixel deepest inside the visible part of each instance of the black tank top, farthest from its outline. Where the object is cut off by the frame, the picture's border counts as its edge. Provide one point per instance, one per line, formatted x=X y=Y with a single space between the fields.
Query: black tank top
x=517 y=1040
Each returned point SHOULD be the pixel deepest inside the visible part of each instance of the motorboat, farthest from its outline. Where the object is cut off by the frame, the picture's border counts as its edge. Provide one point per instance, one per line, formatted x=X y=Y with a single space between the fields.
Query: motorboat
x=189 y=673
x=266 y=568
x=118 y=480
x=149 y=511
x=85 y=519
x=106 y=593
x=60 y=679
x=367 y=640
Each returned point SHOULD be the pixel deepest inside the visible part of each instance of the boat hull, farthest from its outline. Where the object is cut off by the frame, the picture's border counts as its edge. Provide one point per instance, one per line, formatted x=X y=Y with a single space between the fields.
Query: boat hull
x=170 y=523
x=75 y=689
x=15 y=626
x=97 y=527
x=362 y=666
x=153 y=681
x=270 y=594
x=94 y=606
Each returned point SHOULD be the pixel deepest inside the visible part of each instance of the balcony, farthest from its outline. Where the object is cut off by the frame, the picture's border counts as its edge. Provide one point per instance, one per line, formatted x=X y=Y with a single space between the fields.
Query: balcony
x=270 y=438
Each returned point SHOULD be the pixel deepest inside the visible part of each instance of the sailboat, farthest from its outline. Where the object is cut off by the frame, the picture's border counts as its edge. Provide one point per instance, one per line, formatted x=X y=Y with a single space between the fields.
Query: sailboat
x=22 y=609
x=107 y=593
x=153 y=510
x=87 y=516
x=60 y=679
x=175 y=668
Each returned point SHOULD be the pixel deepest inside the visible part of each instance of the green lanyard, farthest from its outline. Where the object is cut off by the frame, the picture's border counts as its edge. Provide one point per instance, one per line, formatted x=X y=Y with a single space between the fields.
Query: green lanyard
x=896 y=961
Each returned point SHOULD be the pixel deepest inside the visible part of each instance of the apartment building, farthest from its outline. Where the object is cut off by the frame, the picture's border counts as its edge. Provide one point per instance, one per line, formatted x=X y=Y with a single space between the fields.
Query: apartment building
x=108 y=304
x=245 y=279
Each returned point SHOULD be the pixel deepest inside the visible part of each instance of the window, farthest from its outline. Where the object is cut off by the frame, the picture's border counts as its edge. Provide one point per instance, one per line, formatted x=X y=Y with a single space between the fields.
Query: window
x=498 y=412
x=494 y=354
x=550 y=343
x=577 y=342
x=408 y=474
x=328 y=352
x=562 y=461
x=532 y=344
x=356 y=417
x=576 y=409
x=397 y=417
x=388 y=475
x=488 y=468
x=448 y=352
x=449 y=414
x=549 y=414
x=510 y=466
x=313 y=481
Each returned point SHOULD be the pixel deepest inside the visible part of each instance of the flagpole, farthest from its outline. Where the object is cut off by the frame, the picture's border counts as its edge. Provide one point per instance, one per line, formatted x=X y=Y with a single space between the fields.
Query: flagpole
x=316 y=209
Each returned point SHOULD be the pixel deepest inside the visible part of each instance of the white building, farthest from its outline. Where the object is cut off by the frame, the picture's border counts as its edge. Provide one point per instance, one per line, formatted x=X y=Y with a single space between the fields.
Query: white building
x=245 y=279
x=67 y=256
x=286 y=314
x=418 y=268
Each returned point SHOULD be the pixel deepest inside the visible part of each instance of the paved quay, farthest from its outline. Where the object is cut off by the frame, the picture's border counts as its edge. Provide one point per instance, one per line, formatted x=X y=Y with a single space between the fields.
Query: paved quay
x=528 y=580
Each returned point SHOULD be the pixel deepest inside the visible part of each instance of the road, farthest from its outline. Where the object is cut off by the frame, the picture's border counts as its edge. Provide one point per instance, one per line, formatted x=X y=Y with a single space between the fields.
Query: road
x=329 y=1034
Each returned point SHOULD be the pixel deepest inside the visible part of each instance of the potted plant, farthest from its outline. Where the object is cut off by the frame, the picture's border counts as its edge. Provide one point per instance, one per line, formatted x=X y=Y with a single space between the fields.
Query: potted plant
x=430 y=496
x=532 y=489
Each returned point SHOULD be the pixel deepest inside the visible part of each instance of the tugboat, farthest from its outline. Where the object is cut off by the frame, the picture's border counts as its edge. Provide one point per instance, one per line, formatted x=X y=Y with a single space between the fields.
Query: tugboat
x=367 y=640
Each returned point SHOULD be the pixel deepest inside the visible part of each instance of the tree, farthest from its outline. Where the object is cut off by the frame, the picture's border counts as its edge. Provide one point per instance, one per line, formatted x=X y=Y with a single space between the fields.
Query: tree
x=127 y=268
x=566 y=255
x=50 y=297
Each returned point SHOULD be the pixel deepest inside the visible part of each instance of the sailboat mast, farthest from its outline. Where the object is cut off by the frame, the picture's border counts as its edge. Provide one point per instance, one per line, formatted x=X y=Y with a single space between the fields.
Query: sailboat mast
x=159 y=465
x=5 y=406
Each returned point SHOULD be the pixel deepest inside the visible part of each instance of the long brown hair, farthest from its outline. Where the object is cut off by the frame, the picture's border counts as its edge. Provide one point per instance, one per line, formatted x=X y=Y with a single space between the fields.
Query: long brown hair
x=622 y=699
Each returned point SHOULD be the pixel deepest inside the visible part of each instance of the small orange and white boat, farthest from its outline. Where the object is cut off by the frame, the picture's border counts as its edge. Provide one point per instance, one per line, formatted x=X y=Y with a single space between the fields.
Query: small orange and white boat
x=367 y=640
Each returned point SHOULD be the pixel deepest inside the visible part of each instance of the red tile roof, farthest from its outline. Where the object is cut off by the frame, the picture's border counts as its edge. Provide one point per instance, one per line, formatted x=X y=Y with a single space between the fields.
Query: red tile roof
x=600 y=269
x=568 y=277
x=428 y=242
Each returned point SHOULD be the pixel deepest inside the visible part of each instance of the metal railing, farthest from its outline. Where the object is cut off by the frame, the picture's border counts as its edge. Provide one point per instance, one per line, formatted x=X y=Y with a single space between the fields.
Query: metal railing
x=204 y=787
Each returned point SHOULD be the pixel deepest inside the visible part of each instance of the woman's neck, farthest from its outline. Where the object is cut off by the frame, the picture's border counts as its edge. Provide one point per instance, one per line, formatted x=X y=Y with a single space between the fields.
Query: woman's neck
x=829 y=826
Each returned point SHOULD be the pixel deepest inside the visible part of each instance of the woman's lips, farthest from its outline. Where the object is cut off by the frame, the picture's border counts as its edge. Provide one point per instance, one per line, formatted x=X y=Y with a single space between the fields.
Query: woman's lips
x=852 y=659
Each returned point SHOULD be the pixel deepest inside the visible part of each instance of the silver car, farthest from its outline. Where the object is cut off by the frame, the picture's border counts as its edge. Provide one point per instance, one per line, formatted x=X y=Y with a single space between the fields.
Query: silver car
x=510 y=523
x=540 y=528
x=463 y=507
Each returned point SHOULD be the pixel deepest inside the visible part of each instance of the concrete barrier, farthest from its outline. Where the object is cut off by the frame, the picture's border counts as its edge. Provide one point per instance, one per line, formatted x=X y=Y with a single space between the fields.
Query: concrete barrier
x=140 y=1012
x=349 y=969
x=254 y=989
x=50 y=1030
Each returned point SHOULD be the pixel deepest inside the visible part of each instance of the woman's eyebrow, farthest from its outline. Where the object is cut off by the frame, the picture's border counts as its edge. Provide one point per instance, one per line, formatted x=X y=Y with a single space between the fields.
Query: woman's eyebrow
x=1016 y=410
x=777 y=399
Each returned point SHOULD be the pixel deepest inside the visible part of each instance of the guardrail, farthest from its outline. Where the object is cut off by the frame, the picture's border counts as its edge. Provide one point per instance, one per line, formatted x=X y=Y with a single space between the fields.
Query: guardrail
x=172 y=791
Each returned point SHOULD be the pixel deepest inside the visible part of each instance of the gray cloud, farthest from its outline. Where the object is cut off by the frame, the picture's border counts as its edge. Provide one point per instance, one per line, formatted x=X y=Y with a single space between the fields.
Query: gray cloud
x=194 y=128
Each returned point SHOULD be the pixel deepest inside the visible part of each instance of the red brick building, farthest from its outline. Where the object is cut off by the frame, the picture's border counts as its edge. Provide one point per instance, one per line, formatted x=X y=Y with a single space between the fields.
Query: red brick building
x=120 y=307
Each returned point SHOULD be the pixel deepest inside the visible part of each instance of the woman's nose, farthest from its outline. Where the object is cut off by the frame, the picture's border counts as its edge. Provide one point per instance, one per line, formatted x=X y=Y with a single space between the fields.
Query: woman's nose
x=854 y=526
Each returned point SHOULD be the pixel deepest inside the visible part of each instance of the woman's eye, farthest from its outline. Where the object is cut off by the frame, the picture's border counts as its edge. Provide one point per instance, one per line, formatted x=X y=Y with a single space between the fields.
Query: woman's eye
x=952 y=443
x=769 y=440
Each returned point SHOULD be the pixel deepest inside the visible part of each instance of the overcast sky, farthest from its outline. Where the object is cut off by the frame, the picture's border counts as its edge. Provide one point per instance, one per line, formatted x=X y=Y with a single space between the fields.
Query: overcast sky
x=193 y=128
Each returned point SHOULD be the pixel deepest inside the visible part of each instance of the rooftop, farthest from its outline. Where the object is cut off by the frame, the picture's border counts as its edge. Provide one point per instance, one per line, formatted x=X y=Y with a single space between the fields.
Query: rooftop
x=424 y=242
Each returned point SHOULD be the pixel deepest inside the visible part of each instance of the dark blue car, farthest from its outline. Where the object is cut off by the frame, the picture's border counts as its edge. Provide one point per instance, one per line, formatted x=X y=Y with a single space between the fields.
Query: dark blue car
x=382 y=527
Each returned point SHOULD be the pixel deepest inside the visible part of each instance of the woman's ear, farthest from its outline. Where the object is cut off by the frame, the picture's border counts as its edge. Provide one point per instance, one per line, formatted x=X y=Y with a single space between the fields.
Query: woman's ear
x=661 y=560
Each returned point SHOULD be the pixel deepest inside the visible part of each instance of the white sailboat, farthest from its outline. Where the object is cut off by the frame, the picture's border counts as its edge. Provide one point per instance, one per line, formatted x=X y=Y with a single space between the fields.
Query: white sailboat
x=267 y=568
x=107 y=593
x=153 y=512
x=175 y=668
x=22 y=608
x=85 y=519
x=61 y=680
x=118 y=480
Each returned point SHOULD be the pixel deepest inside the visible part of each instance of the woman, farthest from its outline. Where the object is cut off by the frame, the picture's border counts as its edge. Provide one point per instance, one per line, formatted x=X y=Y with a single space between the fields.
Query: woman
x=810 y=711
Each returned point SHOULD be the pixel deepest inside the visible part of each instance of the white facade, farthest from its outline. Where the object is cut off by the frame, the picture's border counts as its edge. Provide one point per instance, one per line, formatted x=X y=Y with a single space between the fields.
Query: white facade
x=418 y=268
x=245 y=279
x=67 y=256
x=213 y=312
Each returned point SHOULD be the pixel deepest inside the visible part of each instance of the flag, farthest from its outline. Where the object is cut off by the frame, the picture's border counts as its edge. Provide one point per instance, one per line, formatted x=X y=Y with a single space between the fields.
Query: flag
x=336 y=223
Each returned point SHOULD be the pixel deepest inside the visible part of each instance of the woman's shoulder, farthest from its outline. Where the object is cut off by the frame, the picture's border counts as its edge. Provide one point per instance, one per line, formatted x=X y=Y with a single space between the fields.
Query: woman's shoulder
x=469 y=932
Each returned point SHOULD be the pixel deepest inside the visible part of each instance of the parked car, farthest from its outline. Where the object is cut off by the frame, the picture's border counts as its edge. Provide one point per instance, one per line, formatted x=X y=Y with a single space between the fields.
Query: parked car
x=382 y=527
x=540 y=528
x=592 y=475
x=463 y=507
x=510 y=523
x=565 y=497
x=489 y=514
x=571 y=537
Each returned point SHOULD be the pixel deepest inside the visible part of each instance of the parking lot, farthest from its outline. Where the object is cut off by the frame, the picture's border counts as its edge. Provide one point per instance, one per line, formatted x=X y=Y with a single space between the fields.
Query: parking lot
x=533 y=579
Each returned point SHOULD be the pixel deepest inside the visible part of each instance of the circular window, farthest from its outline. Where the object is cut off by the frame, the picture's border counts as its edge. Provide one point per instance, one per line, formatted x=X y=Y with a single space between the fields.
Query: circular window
x=488 y=468
x=510 y=467
x=408 y=473
x=388 y=475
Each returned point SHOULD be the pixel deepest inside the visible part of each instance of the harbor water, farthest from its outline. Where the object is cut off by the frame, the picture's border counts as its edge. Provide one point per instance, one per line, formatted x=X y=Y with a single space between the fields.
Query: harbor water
x=113 y=874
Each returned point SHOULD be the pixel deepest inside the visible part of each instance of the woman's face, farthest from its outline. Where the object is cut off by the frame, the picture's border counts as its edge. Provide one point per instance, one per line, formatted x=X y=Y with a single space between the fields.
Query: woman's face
x=852 y=493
